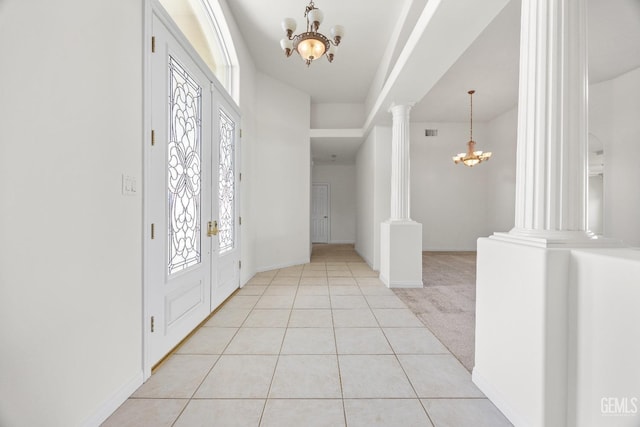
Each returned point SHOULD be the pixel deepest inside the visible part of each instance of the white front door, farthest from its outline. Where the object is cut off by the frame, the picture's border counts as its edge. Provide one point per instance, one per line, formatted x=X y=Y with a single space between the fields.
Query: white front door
x=320 y=213
x=192 y=255
x=179 y=195
x=226 y=200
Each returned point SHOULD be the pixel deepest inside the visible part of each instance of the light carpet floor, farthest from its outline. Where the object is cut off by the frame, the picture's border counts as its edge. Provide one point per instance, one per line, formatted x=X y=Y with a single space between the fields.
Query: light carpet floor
x=446 y=304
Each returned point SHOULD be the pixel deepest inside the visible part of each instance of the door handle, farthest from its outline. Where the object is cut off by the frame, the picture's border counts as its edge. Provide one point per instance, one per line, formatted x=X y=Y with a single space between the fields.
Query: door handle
x=212 y=228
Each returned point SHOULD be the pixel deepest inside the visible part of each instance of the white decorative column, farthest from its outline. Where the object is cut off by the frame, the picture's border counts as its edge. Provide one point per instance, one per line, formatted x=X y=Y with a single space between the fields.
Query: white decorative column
x=552 y=155
x=400 y=237
x=400 y=179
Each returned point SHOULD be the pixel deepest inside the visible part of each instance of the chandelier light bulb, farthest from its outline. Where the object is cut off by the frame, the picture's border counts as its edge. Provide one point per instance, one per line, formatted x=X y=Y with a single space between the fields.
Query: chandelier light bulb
x=315 y=17
x=331 y=52
x=337 y=32
x=287 y=46
x=289 y=24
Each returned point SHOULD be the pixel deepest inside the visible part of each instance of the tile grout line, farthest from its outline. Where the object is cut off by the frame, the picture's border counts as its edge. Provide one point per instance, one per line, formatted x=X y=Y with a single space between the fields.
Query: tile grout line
x=275 y=367
x=395 y=355
x=335 y=340
x=210 y=369
x=284 y=336
x=242 y=322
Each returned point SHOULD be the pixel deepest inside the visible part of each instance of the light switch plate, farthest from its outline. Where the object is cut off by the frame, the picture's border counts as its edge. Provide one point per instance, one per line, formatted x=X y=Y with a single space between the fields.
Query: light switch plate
x=129 y=185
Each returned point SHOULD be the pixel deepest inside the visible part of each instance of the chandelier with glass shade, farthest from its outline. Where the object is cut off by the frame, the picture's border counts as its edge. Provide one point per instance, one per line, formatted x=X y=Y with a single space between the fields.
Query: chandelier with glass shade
x=311 y=44
x=471 y=157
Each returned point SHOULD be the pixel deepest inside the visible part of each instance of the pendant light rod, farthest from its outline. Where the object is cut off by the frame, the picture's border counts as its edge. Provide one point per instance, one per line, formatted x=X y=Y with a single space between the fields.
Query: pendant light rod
x=471 y=92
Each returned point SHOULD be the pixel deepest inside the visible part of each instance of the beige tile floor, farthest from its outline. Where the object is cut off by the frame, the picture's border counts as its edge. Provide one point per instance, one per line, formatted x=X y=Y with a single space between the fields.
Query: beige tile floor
x=321 y=344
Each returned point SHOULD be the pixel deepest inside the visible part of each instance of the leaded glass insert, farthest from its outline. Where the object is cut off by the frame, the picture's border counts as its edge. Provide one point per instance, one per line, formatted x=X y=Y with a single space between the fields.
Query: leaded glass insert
x=227 y=183
x=183 y=167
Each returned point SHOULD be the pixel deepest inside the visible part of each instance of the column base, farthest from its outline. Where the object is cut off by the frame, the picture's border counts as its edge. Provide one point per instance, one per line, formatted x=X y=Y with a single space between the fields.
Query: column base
x=556 y=239
x=551 y=328
x=521 y=330
x=401 y=254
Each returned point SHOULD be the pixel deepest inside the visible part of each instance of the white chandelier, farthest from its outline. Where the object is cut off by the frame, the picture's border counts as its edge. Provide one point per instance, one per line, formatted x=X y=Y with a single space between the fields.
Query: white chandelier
x=311 y=44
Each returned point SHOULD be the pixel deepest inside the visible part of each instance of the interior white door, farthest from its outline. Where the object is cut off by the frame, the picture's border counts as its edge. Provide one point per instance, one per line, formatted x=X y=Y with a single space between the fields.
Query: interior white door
x=226 y=266
x=320 y=213
x=178 y=289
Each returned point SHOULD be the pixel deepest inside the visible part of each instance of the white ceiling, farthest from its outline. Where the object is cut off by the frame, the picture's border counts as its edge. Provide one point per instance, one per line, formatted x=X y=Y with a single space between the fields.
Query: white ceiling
x=489 y=65
x=368 y=24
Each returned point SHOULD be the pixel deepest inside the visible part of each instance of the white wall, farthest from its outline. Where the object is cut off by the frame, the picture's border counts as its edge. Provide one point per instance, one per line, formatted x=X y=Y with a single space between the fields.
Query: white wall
x=342 y=203
x=449 y=200
x=614 y=109
x=501 y=185
x=71 y=251
x=373 y=183
x=596 y=191
x=281 y=175
x=365 y=185
x=337 y=116
x=382 y=191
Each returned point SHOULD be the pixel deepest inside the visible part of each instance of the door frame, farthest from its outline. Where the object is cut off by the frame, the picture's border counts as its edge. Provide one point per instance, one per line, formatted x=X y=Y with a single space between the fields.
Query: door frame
x=154 y=8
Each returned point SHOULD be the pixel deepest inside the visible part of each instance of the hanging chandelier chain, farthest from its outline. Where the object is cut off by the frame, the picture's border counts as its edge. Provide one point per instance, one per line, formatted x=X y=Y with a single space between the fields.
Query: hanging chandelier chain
x=309 y=8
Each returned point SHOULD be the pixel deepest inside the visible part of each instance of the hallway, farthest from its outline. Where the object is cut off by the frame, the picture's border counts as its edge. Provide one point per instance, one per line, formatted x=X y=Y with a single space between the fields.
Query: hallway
x=321 y=344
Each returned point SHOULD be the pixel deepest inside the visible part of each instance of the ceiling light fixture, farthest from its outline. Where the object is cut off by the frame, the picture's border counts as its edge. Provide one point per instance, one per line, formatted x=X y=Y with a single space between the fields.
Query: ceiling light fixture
x=311 y=44
x=471 y=157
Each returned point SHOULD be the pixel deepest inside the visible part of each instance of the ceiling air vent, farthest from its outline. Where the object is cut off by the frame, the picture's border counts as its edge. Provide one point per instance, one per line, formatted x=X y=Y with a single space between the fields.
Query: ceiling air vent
x=431 y=132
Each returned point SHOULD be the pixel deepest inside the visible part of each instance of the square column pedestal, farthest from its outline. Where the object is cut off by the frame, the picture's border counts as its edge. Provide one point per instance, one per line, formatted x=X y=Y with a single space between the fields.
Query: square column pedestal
x=521 y=330
x=401 y=254
x=556 y=332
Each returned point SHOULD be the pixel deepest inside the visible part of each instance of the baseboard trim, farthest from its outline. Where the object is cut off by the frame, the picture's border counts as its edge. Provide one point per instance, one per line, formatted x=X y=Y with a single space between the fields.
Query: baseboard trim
x=114 y=401
x=406 y=284
x=401 y=284
x=384 y=280
x=283 y=265
x=342 y=242
x=366 y=259
x=496 y=398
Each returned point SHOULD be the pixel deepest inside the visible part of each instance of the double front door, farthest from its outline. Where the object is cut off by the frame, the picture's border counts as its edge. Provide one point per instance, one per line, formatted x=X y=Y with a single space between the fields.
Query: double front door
x=191 y=195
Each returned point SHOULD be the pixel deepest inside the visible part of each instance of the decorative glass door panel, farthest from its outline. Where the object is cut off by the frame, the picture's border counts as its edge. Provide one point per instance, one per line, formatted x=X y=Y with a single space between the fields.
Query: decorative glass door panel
x=183 y=174
x=227 y=263
x=227 y=183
